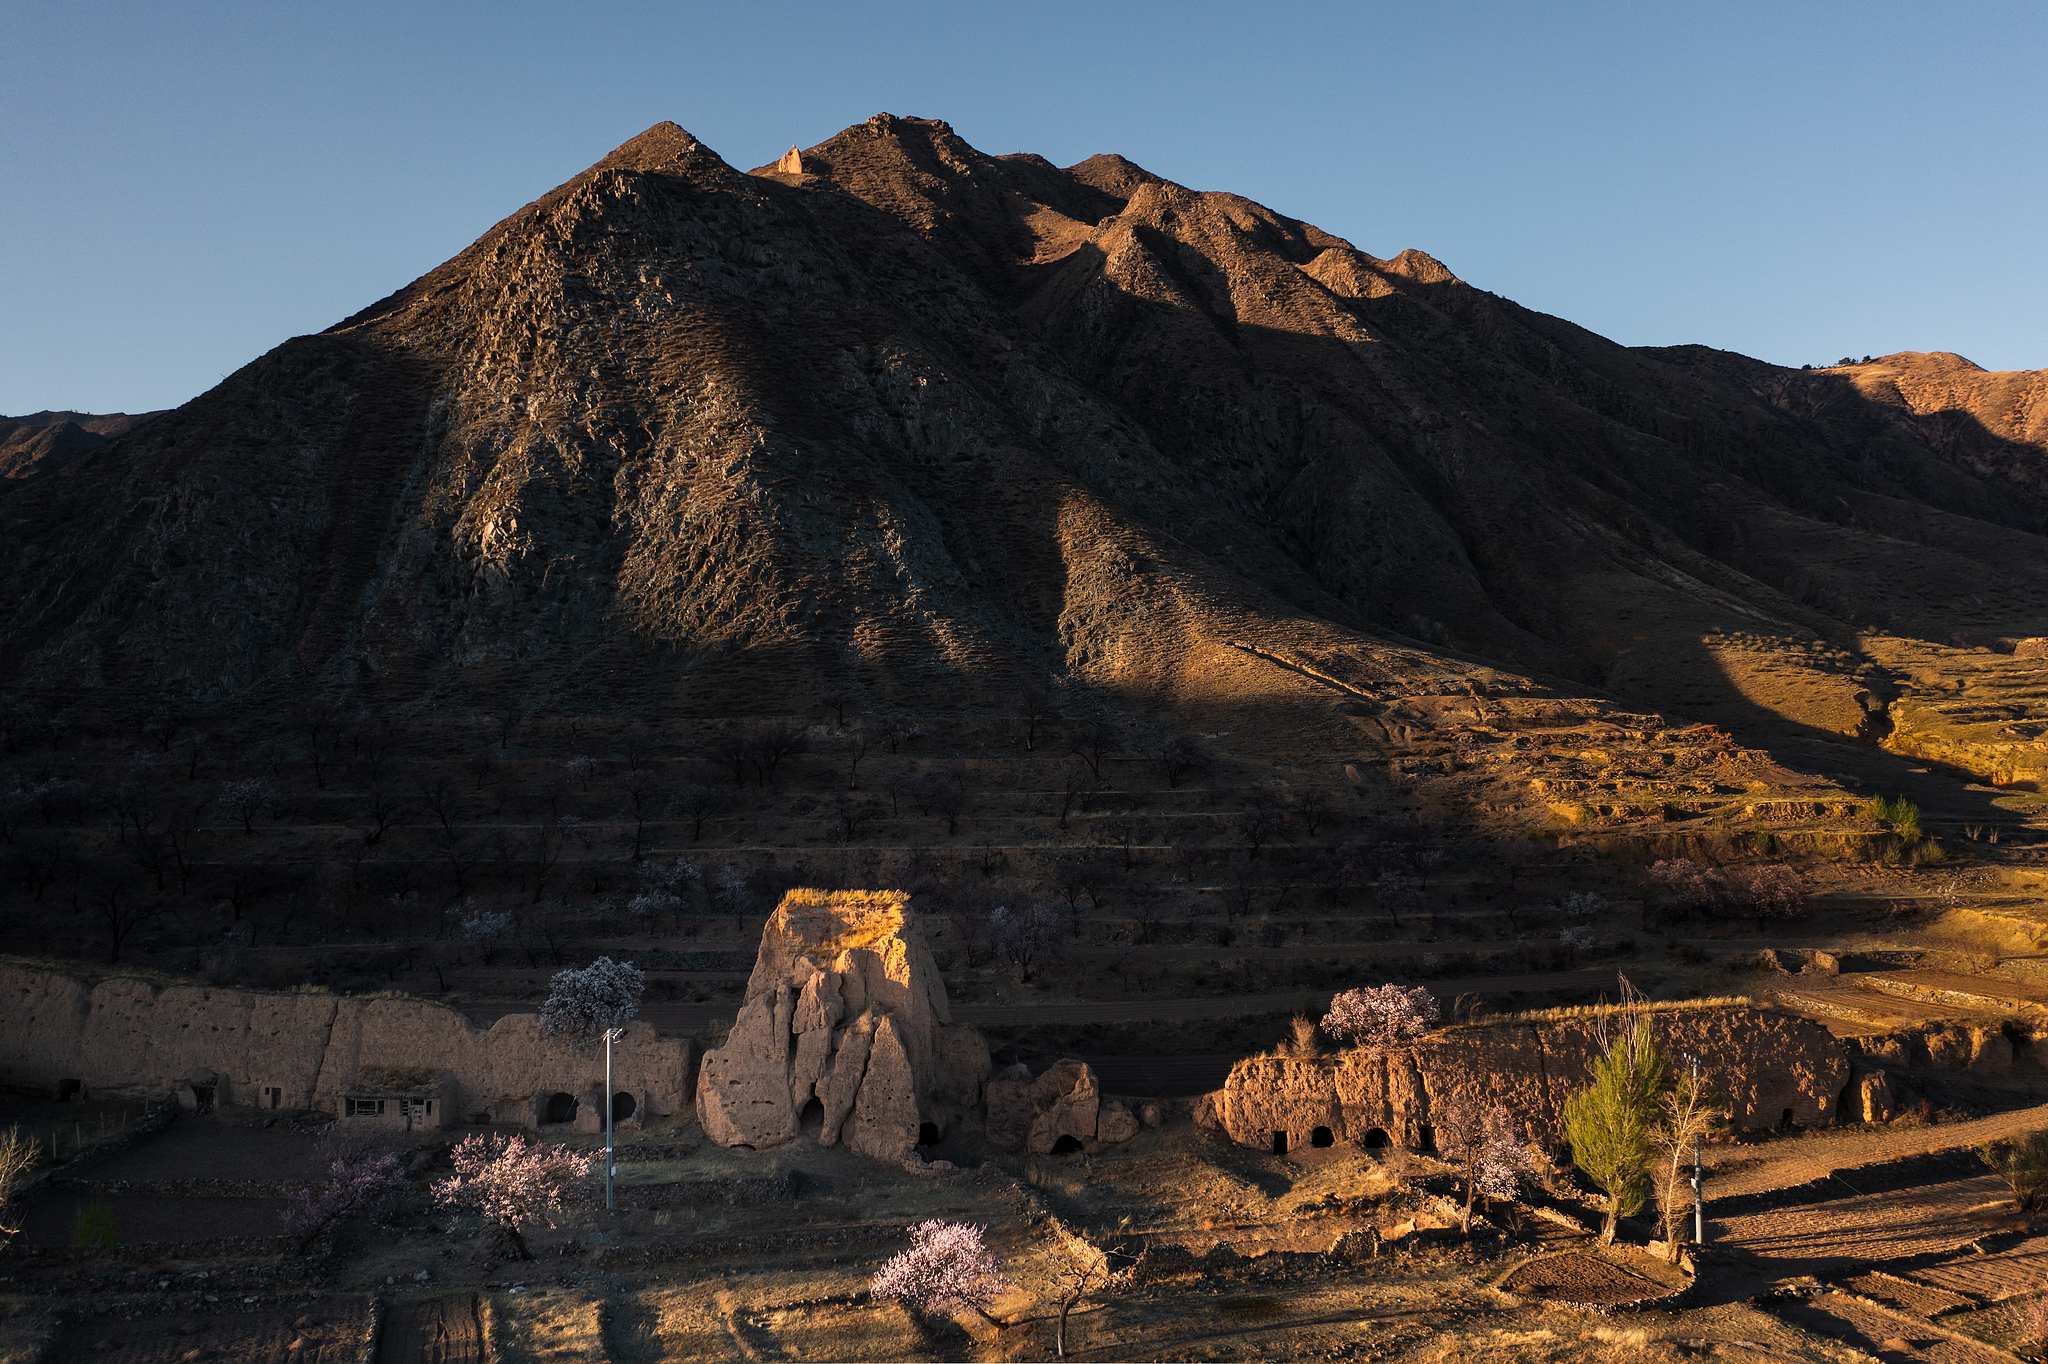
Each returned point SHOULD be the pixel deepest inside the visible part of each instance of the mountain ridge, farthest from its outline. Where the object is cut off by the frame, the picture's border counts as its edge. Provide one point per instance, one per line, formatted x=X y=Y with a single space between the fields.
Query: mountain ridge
x=938 y=425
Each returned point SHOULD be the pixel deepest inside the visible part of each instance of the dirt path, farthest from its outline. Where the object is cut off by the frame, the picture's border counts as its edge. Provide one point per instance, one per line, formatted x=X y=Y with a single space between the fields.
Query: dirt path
x=1126 y=1009
x=1734 y=1170
x=1820 y=1238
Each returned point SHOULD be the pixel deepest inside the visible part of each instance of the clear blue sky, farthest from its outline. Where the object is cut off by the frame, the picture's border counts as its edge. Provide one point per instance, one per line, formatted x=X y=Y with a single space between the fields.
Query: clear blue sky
x=188 y=185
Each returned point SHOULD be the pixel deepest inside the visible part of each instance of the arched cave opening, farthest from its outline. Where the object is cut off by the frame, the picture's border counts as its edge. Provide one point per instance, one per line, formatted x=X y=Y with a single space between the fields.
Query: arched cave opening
x=561 y=1108
x=811 y=1122
x=1065 y=1146
x=1376 y=1140
x=623 y=1106
x=1785 y=1122
x=927 y=1134
x=1425 y=1140
x=1322 y=1136
x=1279 y=1143
x=1846 y=1106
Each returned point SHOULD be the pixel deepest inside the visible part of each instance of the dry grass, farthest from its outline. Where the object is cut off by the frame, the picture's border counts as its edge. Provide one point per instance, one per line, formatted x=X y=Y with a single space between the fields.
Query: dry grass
x=1573 y=1011
x=546 y=1327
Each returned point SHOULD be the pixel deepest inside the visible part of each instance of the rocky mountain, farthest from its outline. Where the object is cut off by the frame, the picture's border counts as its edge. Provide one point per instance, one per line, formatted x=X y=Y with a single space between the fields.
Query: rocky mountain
x=934 y=425
x=42 y=440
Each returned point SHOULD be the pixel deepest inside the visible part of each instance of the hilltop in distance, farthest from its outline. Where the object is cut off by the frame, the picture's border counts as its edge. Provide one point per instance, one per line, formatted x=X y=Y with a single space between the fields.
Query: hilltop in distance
x=1193 y=614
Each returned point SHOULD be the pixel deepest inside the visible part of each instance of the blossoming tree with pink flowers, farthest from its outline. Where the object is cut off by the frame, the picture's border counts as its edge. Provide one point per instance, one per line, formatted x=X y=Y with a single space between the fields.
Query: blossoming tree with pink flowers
x=946 y=1266
x=510 y=1180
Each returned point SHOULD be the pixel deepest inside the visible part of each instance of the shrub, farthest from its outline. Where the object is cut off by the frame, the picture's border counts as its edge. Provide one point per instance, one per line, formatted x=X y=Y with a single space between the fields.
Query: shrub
x=2023 y=1165
x=1902 y=814
x=95 y=1229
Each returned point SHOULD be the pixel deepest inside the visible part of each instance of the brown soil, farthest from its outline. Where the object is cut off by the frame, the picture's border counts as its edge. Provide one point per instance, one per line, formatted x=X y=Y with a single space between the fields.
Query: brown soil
x=446 y=1330
x=332 y=1331
x=49 y=1219
x=1577 y=1276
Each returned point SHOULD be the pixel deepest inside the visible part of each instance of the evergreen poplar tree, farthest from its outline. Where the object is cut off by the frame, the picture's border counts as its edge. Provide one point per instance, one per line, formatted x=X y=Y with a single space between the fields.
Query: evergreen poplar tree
x=1612 y=1123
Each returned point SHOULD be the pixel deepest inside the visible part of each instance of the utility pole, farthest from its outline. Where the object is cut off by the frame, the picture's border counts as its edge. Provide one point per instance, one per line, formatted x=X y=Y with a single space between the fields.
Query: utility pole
x=611 y=1166
x=1699 y=1201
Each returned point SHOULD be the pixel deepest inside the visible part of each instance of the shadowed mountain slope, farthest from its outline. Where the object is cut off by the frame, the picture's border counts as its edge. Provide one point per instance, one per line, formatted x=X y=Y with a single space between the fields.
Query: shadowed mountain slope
x=934 y=424
x=43 y=440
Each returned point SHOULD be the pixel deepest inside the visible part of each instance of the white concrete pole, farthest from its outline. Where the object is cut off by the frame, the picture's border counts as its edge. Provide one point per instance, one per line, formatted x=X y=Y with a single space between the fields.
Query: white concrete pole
x=611 y=1168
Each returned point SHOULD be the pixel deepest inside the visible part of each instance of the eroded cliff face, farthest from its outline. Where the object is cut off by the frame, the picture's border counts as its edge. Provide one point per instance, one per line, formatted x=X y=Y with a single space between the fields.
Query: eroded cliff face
x=126 y=1037
x=845 y=1010
x=1772 y=1067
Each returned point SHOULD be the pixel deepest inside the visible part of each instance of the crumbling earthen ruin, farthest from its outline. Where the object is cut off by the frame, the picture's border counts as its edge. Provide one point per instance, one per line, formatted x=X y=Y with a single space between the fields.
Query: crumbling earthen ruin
x=1775 y=1068
x=1061 y=1110
x=379 y=1061
x=846 y=1023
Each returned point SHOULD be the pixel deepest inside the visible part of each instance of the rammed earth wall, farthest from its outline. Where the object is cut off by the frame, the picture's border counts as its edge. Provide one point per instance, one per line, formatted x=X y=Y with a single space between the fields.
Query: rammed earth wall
x=129 y=1038
x=1769 y=1065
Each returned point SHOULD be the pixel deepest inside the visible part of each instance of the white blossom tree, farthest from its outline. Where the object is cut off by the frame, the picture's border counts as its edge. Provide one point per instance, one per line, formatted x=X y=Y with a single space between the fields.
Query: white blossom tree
x=1382 y=1019
x=510 y=1181
x=1484 y=1142
x=946 y=1266
x=589 y=1000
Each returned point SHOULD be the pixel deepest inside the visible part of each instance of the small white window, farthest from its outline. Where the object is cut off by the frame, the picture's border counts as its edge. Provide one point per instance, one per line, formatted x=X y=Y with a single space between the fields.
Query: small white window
x=365 y=1108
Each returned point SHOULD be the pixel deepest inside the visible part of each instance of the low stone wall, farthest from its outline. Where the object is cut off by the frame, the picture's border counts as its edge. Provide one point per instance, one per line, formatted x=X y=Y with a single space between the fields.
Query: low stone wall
x=124 y=1037
x=1771 y=1066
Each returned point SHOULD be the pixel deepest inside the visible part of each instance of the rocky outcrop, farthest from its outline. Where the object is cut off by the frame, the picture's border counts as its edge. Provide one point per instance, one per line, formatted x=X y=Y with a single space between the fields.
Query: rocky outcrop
x=1773 y=1067
x=845 y=1011
x=1066 y=1101
x=123 y=1037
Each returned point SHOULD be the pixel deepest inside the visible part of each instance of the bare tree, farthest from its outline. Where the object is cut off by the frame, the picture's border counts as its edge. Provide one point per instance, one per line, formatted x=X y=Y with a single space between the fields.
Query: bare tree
x=899 y=732
x=1123 y=835
x=1036 y=708
x=441 y=797
x=948 y=796
x=1691 y=1112
x=1146 y=912
x=245 y=799
x=1071 y=791
x=120 y=908
x=1091 y=744
x=1076 y=1269
x=383 y=811
x=1312 y=806
x=698 y=804
x=643 y=798
x=833 y=701
x=162 y=726
x=1027 y=938
x=733 y=750
x=505 y=723
x=771 y=744
x=194 y=743
x=319 y=725
x=858 y=741
x=1256 y=823
x=482 y=767
x=849 y=814
x=1180 y=758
